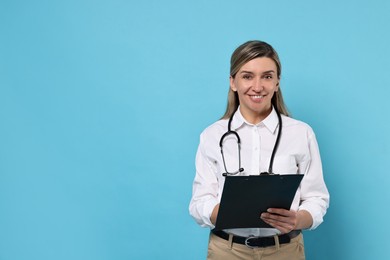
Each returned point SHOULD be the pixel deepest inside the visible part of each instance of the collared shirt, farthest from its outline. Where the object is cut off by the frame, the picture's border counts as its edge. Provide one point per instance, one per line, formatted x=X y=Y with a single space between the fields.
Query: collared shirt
x=297 y=153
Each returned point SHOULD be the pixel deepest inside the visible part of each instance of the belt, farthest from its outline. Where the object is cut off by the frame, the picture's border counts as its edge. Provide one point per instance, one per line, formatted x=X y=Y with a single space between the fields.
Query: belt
x=254 y=242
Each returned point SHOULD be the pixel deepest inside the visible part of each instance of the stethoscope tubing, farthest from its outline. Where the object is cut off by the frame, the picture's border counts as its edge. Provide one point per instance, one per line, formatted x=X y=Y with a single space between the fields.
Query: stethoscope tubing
x=231 y=132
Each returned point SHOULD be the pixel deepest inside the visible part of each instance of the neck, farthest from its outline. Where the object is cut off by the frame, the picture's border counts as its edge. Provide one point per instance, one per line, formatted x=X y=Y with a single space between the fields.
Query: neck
x=255 y=118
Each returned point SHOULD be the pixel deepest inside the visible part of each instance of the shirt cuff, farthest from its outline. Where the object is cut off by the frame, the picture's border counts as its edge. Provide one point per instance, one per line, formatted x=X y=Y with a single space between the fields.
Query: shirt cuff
x=315 y=213
x=208 y=208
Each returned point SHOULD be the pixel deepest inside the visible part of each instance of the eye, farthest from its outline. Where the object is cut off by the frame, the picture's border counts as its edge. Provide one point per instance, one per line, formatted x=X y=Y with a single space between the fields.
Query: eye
x=247 y=76
x=268 y=76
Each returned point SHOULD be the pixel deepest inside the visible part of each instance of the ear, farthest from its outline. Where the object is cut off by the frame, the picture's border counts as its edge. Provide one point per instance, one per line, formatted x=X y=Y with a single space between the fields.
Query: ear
x=277 y=86
x=232 y=85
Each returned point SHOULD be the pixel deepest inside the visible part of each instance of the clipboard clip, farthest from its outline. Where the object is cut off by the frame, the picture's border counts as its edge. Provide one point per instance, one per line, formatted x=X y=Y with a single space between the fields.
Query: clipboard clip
x=268 y=173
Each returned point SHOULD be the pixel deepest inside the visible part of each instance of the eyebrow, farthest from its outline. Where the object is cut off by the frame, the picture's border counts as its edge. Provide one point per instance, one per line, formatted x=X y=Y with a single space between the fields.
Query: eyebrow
x=265 y=72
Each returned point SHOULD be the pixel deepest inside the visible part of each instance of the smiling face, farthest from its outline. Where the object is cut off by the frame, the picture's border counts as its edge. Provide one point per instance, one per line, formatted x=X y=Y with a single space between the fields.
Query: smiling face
x=255 y=83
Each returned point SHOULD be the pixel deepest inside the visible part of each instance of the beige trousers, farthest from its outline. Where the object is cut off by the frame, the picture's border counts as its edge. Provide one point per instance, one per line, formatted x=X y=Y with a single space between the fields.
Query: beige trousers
x=221 y=249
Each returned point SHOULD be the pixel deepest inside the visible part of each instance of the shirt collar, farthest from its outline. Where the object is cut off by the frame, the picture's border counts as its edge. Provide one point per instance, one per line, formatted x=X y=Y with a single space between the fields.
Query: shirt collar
x=271 y=121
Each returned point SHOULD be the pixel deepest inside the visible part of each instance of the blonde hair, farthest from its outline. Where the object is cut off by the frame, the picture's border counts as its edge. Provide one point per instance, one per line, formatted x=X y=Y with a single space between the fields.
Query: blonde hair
x=244 y=53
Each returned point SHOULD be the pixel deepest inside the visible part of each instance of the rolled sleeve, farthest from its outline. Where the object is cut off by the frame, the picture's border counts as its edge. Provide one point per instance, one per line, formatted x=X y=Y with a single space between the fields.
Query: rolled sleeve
x=205 y=189
x=314 y=193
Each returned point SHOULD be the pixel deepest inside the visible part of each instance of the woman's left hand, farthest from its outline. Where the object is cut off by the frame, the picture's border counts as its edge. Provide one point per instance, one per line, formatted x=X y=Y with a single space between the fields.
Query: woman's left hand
x=287 y=220
x=283 y=220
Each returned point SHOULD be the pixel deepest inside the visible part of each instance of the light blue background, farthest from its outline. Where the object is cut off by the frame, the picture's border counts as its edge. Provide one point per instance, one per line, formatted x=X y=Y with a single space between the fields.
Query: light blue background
x=102 y=104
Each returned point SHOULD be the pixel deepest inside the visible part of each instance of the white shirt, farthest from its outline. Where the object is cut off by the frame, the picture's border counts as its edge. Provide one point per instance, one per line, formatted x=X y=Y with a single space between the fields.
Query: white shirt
x=297 y=153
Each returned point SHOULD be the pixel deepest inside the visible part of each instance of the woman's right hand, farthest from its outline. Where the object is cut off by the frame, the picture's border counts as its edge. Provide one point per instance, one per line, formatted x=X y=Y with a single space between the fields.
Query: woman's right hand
x=214 y=214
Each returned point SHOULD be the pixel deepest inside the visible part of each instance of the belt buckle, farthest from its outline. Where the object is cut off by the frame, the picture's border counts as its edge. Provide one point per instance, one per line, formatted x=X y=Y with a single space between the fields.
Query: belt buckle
x=247 y=242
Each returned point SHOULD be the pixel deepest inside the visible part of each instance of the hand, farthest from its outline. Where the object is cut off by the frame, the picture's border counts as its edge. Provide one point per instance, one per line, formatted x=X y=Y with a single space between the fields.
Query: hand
x=214 y=214
x=283 y=220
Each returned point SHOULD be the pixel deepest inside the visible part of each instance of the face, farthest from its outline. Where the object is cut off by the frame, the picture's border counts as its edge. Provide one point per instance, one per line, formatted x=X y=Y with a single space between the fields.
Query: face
x=255 y=83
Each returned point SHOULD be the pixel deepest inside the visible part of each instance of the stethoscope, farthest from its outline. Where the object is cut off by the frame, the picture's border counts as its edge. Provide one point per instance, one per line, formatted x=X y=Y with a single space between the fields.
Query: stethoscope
x=231 y=132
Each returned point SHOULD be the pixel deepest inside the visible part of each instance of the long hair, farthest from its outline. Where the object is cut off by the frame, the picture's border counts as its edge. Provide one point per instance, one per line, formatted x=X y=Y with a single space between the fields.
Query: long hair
x=247 y=52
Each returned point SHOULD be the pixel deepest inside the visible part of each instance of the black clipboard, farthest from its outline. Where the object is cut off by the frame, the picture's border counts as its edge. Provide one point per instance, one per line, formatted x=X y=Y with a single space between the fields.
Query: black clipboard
x=244 y=198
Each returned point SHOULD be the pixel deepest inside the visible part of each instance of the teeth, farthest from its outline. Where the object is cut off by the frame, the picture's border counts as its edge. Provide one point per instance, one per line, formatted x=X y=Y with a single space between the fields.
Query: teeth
x=257 y=96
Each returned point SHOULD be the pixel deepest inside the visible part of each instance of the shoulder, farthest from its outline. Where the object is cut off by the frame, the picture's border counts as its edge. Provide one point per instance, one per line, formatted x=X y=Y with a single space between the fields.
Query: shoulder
x=295 y=125
x=211 y=135
x=215 y=129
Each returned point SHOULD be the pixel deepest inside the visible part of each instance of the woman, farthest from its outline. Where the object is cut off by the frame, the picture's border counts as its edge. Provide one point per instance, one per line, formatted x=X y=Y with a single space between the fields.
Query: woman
x=254 y=101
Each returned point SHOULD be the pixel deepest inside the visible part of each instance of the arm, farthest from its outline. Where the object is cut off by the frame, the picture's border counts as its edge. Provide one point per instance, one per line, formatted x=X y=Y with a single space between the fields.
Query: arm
x=204 y=202
x=314 y=193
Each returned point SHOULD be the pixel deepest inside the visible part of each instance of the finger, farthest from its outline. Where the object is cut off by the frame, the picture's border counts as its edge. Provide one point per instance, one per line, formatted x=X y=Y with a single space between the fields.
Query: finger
x=277 y=218
x=283 y=224
x=282 y=212
x=282 y=227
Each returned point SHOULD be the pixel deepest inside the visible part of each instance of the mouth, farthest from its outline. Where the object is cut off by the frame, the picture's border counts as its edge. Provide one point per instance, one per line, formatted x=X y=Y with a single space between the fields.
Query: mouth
x=256 y=98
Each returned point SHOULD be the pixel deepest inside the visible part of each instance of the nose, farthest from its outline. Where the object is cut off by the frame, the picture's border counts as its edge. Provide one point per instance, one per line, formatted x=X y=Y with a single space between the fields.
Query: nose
x=258 y=85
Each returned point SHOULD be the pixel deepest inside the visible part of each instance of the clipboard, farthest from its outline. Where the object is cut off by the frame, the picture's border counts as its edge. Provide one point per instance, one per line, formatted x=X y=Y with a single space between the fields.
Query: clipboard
x=244 y=198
